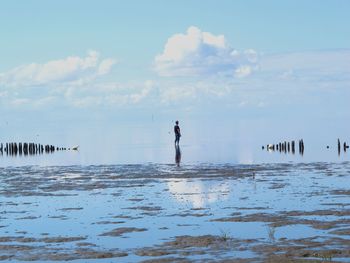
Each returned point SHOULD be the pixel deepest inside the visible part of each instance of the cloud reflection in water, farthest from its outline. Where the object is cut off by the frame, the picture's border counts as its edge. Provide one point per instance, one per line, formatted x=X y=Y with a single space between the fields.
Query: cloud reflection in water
x=198 y=193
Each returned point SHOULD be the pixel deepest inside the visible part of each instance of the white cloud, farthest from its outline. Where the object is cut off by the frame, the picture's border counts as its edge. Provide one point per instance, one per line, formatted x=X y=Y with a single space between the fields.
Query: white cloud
x=178 y=93
x=197 y=53
x=110 y=94
x=72 y=69
x=282 y=79
x=243 y=71
x=137 y=97
x=105 y=66
x=18 y=102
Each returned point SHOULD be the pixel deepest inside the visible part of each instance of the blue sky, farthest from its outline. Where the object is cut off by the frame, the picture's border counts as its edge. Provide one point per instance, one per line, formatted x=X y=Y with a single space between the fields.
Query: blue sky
x=233 y=59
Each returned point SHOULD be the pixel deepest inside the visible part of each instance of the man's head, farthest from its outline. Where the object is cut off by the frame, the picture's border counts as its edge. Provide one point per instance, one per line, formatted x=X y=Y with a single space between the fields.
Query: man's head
x=177 y=122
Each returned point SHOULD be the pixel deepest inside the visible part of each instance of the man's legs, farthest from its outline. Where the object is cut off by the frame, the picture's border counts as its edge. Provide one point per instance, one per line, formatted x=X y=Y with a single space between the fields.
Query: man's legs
x=177 y=139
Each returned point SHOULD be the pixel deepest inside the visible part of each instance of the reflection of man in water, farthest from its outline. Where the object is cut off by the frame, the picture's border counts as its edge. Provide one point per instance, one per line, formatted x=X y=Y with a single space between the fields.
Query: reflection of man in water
x=177 y=133
x=177 y=155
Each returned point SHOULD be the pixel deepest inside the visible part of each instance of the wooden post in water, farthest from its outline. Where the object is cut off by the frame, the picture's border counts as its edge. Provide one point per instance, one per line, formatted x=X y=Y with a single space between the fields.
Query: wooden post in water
x=31 y=148
x=285 y=147
x=302 y=146
x=25 y=148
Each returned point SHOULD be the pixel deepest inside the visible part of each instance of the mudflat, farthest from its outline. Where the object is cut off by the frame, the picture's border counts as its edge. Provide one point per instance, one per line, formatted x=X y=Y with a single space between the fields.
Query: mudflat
x=163 y=213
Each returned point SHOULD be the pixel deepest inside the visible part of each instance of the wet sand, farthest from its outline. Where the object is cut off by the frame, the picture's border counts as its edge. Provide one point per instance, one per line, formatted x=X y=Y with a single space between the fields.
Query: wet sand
x=163 y=213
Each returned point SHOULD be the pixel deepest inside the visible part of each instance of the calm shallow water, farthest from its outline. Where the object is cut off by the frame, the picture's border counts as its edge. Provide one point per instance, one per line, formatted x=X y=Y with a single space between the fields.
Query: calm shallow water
x=161 y=202
x=129 y=178
x=142 y=142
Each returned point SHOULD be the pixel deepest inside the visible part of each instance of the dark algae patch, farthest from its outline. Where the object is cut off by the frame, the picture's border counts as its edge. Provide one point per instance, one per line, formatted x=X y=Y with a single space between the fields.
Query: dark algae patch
x=122 y=230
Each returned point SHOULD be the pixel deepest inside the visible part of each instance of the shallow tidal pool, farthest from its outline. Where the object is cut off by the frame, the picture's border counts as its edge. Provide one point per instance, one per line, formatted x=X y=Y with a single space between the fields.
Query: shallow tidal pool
x=165 y=213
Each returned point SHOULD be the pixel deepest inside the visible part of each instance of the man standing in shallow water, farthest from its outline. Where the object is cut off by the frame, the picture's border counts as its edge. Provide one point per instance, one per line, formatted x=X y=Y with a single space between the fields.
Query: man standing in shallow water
x=177 y=133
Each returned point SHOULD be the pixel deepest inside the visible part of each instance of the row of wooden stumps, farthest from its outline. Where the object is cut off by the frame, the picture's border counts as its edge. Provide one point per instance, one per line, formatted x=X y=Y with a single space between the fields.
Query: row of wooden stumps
x=14 y=148
x=286 y=147
x=345 y=147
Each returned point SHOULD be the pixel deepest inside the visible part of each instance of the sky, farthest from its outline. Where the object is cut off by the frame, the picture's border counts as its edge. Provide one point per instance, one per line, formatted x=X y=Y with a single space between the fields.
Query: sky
x=80 y=61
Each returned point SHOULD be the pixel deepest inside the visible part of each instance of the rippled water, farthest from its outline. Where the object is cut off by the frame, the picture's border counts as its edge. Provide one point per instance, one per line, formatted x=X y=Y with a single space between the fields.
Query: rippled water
x=129 y=195
x=152 y=204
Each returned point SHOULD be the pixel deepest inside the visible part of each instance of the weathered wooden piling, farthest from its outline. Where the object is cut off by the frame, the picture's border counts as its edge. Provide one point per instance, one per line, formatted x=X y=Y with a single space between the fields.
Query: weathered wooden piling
x=288 y=147
x=301 y=148
x=31 y=148
x=20 y=148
